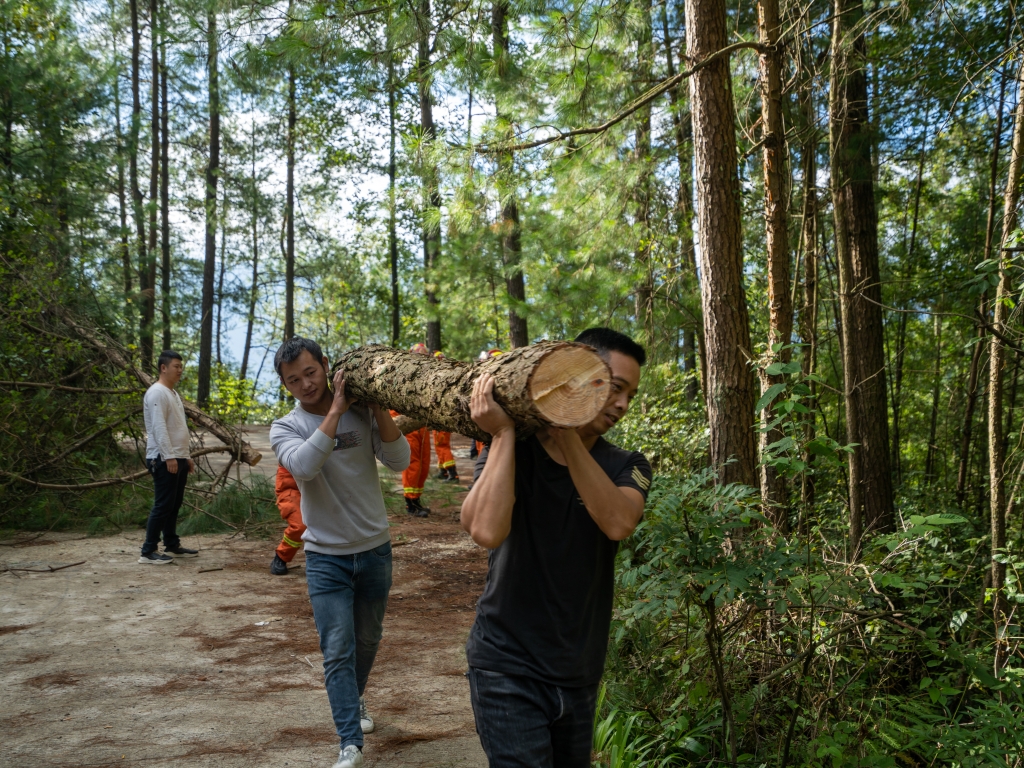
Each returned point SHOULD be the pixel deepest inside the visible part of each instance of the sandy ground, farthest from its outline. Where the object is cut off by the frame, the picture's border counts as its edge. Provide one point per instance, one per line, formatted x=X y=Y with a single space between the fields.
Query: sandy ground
x=114 y=663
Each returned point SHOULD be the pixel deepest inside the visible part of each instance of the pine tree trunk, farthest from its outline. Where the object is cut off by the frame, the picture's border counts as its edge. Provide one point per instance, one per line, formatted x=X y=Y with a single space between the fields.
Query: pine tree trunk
x=289 y=209
x=990 y=228
x=642 y=192
x=431 y=190
x=149 y=298
x=774 y=495
x=901 y=335
x=997 y=356
x=222 y=266
x=136 y=192
x=730 y=385
x=396 y=325
x=254 y=287
x=559 y=383
x=683 y=213
x=165 y=213
x=809 y=311
x=212 y=175
x=511 y=242
x=122 y=209
x=931 y=460
x=968 y=426
x=856 y=225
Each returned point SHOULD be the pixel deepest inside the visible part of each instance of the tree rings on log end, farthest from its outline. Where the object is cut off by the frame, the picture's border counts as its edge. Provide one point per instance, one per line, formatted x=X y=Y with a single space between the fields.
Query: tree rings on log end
x=570 y=385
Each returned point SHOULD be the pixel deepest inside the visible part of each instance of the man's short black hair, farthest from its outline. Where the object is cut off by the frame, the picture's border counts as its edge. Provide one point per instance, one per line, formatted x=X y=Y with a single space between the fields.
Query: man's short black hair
x=291 y=349
x=165 y=359
x=605 y=340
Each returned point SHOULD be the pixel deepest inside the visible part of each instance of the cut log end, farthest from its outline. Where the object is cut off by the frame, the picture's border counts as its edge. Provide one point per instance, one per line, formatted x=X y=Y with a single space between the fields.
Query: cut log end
x=570 y=386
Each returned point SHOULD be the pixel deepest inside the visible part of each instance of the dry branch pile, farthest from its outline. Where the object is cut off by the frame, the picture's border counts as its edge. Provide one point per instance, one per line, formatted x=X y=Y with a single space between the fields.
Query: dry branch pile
x=563 y=384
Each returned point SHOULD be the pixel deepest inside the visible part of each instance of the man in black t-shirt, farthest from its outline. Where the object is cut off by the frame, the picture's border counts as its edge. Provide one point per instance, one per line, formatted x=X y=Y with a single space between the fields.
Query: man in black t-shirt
x=552 y=510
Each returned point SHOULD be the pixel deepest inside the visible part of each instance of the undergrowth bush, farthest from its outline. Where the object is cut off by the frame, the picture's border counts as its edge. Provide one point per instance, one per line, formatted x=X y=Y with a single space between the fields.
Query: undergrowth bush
x=732 y=644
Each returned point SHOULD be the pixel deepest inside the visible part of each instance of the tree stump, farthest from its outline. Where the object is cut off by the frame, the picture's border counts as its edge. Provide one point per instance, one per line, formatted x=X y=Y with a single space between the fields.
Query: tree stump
x=561 y=384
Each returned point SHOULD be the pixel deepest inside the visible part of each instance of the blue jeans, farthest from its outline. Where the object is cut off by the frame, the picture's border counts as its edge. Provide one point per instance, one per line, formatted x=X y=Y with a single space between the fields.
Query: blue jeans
x=526 y=723
x=349 y=594
x=168 y=495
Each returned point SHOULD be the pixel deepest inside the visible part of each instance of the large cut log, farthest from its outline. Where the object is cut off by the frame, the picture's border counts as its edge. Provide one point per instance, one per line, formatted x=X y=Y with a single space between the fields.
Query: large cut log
x=555 y=383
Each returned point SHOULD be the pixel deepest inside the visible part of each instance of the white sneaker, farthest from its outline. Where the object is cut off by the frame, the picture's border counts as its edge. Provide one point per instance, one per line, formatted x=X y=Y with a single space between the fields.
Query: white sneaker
x=350 y=757
x=365 y=721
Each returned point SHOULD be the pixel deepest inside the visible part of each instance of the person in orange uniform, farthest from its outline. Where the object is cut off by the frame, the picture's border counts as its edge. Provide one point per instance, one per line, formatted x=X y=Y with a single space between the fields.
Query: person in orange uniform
x=288 y=500
x=415 y=475
x=447 y=471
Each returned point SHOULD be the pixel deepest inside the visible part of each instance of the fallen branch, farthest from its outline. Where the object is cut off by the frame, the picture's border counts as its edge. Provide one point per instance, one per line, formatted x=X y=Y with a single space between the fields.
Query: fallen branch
x=210 y=570
x=242 y=449
x=48 y=569
x=87 y=439
x=63 y=388
x=641 y=101
x=107 y=482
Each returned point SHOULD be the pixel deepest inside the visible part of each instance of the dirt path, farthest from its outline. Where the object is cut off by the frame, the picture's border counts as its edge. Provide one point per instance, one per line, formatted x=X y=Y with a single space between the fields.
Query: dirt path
x=115 y=663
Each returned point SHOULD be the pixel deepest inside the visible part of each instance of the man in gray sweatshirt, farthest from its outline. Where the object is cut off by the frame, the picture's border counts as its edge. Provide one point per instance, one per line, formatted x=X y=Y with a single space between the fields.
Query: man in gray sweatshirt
x=330 y=445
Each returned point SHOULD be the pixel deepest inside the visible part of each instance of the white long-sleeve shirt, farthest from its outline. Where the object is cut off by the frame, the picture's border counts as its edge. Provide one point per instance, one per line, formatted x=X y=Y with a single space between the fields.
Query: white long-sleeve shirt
x=342 y=503
x=166 y=427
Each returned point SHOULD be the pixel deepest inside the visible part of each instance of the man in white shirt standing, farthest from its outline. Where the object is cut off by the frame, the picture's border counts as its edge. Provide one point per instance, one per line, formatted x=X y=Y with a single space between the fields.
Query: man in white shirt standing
x=168 y=461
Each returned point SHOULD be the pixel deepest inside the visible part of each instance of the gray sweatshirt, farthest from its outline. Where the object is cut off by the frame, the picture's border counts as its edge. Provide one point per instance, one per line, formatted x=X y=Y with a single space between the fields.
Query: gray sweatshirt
x=342 y=504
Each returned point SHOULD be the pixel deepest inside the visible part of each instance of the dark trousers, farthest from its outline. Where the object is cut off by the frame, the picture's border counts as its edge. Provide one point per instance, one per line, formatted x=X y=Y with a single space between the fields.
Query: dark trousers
x=526 y=723
x=169 y=492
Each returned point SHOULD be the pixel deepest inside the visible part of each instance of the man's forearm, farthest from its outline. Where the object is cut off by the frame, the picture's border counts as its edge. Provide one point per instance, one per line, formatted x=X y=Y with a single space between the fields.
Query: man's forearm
x=329 y=426
x=614 y=512
x=389 y=431
x=487 y=512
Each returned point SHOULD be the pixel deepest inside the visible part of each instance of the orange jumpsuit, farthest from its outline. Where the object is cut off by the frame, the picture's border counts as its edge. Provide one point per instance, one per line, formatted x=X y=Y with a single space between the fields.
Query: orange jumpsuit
x=443 y=449
x=414 y=477
x=288 y=498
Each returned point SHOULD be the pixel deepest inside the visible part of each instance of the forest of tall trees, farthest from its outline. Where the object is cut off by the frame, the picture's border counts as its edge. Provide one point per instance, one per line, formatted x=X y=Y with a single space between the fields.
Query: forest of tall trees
x=808 y=213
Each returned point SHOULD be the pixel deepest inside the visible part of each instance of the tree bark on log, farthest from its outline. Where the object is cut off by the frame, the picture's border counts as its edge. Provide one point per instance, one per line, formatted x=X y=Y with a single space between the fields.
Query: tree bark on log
x=562 y=384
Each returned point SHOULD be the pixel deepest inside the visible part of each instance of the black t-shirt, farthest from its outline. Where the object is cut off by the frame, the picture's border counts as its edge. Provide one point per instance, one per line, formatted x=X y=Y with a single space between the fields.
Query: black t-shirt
x=547 y=606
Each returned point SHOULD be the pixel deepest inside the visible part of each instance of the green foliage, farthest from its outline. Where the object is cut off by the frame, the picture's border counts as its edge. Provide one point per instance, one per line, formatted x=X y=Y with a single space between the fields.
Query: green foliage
x=726 y=631
x=248 y=506
x=665 y=423
x=240 y=401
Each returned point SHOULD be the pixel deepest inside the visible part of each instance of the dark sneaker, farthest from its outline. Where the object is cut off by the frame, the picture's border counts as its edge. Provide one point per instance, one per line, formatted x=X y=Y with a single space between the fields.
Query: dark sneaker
x=180 y=551
x=278 y=567
x=453 y=478
x=442 y=475
x=155 y=558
